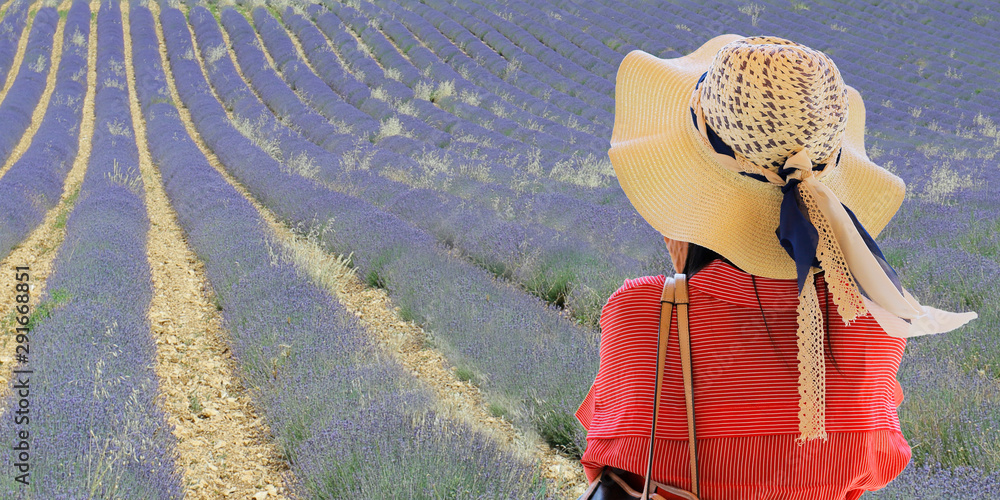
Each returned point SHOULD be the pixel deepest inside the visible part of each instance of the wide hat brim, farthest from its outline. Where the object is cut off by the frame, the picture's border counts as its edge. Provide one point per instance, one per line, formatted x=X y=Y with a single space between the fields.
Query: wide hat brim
x=674 y=181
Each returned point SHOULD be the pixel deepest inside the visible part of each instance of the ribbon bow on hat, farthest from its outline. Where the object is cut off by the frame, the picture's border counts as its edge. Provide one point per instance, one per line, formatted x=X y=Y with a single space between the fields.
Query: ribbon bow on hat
x=818 y=231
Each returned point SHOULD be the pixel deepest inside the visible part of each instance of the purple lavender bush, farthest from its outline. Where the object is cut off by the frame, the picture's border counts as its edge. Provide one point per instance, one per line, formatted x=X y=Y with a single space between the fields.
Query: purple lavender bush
x=461 y=303
x=14 y=20
x=562 y=271
x=35 y=181
x=341 y=410
x=533 y=255
x=96 y=428
x=22 y=97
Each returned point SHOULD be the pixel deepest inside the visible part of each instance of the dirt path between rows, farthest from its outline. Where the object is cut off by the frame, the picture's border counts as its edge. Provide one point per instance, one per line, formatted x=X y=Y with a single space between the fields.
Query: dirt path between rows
x=224 y=447
x=38 y=250
x=43 y=102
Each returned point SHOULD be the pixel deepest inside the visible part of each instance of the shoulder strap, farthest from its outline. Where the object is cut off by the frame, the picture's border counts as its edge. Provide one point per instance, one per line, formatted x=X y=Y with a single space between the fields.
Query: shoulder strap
x=674 y=293
x=663 y=338
x=684 y=337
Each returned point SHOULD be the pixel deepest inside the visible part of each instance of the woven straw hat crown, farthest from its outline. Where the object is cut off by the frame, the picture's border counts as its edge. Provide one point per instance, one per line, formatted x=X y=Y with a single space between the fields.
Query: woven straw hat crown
x=670 y=143
x=768 y=97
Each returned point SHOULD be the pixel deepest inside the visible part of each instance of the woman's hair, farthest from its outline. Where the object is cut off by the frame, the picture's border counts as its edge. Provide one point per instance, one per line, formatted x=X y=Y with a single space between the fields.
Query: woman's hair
x=699 y=257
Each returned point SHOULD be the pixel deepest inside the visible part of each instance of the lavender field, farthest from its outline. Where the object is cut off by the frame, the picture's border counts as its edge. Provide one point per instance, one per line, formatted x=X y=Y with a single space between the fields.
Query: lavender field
x=319 y=249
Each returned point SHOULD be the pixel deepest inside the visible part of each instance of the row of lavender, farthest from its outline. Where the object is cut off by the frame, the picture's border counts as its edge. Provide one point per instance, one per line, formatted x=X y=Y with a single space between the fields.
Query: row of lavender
x=339 y=96
x=505 y=131
x=389 y=98
x=502 y=97
x=534 y=255
x=452 y=298
x=396 y=144
x=353 y=92
x=556 y=72
x=573 y=214
x=330 y=31
x=324 y=22
x=448 y=39
x=96 y=429
x=498 y=100
x=474 y=134
x=341 y=411
x=34 y=182
x=14 y=19
x=20 y=100
x=471 y=82
x=603 y=253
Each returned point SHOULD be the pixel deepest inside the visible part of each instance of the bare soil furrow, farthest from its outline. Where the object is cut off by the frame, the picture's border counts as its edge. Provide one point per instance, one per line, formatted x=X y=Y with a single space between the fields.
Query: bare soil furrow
x=225 y=447
x=43 y=103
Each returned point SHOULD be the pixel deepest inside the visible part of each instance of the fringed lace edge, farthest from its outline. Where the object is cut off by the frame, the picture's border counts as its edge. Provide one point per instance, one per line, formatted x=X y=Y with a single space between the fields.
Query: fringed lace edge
x=812 y=365
x=839 y=281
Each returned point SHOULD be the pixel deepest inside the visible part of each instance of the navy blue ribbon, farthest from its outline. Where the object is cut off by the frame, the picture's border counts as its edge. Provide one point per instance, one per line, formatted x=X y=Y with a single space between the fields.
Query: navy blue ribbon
x=799 y=238
x=795 y=231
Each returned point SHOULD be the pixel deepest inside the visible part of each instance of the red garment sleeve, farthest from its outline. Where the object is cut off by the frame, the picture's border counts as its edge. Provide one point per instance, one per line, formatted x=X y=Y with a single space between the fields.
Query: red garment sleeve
x=585 y=413
x=897 y=398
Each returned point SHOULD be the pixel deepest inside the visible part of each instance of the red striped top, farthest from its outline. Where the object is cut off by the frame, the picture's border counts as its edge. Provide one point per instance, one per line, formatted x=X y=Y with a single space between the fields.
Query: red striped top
x=746 y=393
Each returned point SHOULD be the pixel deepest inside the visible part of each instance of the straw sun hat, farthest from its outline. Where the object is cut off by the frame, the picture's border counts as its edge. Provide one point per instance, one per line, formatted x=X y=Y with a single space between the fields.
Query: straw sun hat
x=754 y=148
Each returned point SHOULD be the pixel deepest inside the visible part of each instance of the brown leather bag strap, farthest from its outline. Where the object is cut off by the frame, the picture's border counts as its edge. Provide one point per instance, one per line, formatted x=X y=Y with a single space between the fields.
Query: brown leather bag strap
x=662 y=339
x=674 y=293
x=684 y=337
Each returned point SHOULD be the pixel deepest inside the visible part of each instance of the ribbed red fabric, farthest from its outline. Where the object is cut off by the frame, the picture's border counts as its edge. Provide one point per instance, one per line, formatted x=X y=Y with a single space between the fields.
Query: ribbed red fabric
x=746 y=393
